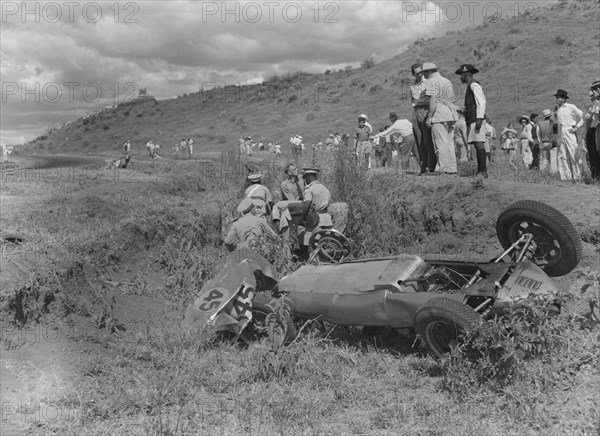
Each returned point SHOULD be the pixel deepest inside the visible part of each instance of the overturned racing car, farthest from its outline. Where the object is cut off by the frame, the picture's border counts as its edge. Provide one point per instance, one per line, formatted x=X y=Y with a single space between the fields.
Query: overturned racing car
x=439 y=297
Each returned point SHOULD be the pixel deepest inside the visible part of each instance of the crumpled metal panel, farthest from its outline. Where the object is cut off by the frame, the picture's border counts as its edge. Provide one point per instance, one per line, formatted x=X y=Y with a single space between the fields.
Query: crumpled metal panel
x=355 y=277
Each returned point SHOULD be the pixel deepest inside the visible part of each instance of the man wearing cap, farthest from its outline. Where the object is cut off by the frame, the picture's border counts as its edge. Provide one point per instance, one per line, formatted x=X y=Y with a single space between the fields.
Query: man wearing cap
x=441 y=117
x=404 y=131
x=246 y=231
x=547 y=153
x=292 y=190
x=569 y=118
x=260 y=196
x=475 y=107
x=422 y=132
x=318 y=195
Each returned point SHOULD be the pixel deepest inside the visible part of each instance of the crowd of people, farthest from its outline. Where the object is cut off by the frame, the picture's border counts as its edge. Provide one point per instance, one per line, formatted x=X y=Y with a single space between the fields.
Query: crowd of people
x=302 y=208
x=551 y=144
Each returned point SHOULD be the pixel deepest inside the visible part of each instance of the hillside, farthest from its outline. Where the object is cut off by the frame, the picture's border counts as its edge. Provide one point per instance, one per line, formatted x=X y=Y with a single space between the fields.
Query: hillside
x=522 y=61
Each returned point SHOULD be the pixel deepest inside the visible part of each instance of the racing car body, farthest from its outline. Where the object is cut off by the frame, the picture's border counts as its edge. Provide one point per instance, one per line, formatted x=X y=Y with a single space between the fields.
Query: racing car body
x=390 y=291
x=439 y=297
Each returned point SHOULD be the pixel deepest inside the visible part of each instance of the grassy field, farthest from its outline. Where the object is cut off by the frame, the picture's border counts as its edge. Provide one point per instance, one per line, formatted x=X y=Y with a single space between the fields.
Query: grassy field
x=92 y=306
x=523 y=61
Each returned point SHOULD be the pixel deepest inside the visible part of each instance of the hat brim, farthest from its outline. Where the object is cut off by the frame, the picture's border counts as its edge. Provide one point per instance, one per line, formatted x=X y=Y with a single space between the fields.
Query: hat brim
x=561 y=96
x=523 y=117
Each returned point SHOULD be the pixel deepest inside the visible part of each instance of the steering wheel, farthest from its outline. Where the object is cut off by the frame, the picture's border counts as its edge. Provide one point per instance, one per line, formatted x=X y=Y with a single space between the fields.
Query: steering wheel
x=330 y=245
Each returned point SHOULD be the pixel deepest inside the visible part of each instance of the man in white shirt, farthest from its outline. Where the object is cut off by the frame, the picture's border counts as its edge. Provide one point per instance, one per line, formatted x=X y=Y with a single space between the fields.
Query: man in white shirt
x=404 y=130
x=569 y=119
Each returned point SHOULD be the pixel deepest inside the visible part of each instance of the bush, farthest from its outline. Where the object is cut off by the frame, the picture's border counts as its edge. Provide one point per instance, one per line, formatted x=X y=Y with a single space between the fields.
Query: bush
x=368 y=63
x=310 y=116
x=532 y=343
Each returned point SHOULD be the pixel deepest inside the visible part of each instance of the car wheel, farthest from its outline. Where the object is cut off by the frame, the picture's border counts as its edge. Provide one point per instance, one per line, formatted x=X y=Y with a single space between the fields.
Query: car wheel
x=558 y=245
x=257 y=328
x=441 y=321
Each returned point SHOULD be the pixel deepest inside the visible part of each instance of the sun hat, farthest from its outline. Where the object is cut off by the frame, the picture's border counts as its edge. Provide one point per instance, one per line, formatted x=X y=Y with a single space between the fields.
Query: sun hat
x=428 y=66
x=523 y=117
x=546 y=112
x=561 y=93
x=255 y=177
x=466 y=68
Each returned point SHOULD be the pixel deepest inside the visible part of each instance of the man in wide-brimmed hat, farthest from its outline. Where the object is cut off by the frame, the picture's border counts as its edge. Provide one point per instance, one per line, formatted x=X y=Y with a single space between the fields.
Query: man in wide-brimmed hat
x=441 y=117
x=475 y=107
x=422 y=132
x=569 y=118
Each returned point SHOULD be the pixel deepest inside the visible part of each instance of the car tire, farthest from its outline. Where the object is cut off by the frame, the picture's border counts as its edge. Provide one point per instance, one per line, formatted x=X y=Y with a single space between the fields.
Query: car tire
x=559 y=246
x=260 y=311
x=441 y=321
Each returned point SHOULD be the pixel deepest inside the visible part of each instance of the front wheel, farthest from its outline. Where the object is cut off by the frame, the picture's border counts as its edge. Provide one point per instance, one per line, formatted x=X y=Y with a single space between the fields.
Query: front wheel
x=441 y=321
x=558 y=247
x=258 y=328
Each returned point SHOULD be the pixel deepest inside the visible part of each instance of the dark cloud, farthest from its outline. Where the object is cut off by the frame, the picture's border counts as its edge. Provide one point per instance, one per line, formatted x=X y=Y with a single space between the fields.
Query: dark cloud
x=175 y=47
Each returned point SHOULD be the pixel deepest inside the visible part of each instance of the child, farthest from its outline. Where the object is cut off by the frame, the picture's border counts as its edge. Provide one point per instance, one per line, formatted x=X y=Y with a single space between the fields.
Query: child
x=510 y=147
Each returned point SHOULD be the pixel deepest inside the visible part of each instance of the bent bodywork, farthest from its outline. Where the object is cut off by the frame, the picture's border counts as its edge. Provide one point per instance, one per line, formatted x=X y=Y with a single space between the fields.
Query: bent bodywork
x=226 y=300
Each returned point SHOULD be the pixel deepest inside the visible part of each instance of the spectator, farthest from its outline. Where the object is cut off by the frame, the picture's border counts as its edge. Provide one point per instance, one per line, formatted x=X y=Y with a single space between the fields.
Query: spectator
x=510 y=147
x=491 y=136
x=569 y=118
x=441 y=117
x=461 y=142
x=591 y=130
x=363 y=143
x=404 y=129
x=526 y=140
x=547 y=152
x=475 y=107
x=190 y=146
x=535 y=147
x=422 y=132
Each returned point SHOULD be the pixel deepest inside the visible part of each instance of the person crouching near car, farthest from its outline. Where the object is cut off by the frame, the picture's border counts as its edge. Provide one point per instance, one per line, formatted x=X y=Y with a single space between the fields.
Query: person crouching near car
x=248 y=229
x=260 y=195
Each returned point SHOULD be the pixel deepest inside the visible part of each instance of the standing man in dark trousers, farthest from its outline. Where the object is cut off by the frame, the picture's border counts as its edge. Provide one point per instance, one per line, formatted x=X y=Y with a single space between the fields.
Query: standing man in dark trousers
x=535 y=147
x=422 y=133
x=474 y=114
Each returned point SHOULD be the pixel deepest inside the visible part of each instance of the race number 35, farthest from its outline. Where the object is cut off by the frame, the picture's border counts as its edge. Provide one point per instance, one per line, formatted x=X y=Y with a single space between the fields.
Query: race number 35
x=211 y=301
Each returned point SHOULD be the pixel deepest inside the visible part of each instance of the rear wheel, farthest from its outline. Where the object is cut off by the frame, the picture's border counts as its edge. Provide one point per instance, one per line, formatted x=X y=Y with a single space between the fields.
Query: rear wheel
x=558 y=247
x=441 y=322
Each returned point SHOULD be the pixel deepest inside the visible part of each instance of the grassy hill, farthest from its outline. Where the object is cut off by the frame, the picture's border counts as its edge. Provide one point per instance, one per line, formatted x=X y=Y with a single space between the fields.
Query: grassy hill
x=523 y=61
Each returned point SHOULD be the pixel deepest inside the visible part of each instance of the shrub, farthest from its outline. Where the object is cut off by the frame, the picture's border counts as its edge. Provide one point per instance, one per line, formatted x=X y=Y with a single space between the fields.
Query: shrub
x=105 y=127
x=310 y=116
x=368 y=63
x=292 y=98
x=532 y=343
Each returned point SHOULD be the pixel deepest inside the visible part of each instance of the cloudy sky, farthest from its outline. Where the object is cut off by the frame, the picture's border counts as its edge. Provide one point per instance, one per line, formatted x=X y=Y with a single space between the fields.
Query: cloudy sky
x=60 y=60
